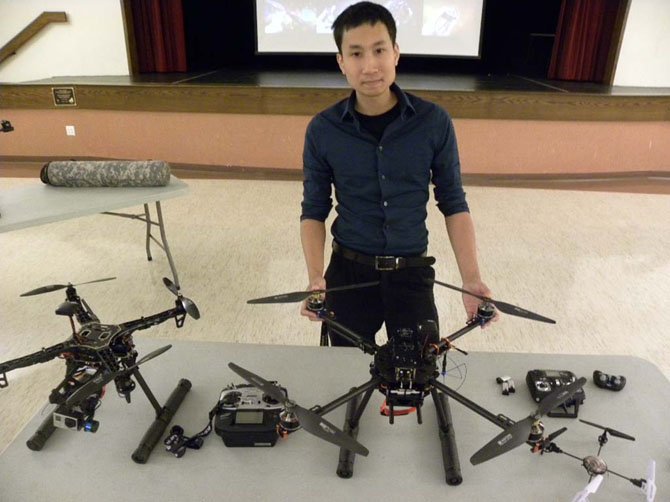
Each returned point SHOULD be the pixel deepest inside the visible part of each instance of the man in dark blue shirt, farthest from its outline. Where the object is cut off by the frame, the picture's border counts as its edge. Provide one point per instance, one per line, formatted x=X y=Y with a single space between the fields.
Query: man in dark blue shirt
x=380 y=149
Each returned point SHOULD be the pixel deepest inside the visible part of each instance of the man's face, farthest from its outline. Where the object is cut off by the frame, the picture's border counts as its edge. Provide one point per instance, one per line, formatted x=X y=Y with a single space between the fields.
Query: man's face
x=368 y=59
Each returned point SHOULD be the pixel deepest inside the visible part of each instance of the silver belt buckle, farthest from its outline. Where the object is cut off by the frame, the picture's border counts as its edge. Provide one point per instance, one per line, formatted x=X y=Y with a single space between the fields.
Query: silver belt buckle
x=381 y=263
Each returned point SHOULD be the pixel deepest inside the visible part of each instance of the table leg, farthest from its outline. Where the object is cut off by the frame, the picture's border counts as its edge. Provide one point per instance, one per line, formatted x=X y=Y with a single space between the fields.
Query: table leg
x=147 y=218
x=161 y=226
x=163 y=244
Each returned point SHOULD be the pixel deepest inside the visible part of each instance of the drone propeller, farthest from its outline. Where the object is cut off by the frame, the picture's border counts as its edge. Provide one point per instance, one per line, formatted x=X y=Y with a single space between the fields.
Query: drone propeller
x=553 y=435
x=310 y=421
x=171 y=286
x=592 y=487
x=545 y=444
x=298 y=296
x=101 y=379
x=189 y=305
x=612 y=432
x=517 y=434
x=649 y=488
x=506 y=308
x=67 y=308
x=56 y=287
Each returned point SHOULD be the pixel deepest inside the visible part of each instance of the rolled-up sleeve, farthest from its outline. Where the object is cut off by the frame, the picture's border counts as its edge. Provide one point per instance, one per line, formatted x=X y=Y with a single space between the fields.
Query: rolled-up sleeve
x=317 y=177
x=446 y=171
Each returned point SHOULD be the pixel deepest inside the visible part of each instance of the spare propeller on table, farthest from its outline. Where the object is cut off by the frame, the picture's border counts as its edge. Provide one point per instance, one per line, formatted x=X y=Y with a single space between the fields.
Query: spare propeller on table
x=189 y=305
x=56 y=287
x=518 y=433
x=506 y=308
x=298 y=296
x=309 y=420
x=101 y=379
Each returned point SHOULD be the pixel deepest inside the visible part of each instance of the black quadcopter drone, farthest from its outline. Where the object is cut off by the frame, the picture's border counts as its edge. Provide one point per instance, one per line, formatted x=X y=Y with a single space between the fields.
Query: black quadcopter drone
x=405 y=370
x=96 y=354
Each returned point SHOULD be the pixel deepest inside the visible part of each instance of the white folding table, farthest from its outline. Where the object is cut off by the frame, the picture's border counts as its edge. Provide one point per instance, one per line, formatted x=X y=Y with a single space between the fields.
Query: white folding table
x=37 y=204
x=404 y=463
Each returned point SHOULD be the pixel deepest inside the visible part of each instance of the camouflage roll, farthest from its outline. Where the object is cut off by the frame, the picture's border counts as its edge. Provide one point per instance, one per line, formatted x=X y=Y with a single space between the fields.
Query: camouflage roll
x=106 y=173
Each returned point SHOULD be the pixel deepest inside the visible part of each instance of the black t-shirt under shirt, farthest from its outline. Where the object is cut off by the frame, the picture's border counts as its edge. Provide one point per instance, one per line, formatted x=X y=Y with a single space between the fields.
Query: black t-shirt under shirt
x=376 y=124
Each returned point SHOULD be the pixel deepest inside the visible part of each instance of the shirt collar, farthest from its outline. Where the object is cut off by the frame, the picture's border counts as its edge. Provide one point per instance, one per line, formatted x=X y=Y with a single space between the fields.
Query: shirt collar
x=406 y=107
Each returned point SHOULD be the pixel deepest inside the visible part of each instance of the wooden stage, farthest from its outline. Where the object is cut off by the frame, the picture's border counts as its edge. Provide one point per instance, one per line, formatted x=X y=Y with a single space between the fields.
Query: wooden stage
x=307 y=92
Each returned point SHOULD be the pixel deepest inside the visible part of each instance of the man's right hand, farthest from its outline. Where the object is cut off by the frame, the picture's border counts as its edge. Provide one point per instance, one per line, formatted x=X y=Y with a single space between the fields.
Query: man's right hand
x=316 y=284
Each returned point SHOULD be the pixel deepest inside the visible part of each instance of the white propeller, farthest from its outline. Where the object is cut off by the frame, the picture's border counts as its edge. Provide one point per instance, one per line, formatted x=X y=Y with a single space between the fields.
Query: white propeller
x=649 y=487
x=592 y=487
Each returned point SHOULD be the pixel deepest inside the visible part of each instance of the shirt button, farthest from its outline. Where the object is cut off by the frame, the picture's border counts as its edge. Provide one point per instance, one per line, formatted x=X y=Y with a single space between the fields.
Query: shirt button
x=380 y=148
x=383 y=176
x=386 y=203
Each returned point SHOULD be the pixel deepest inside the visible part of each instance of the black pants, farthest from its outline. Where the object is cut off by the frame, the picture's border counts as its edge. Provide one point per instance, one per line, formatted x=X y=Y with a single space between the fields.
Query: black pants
x=403 y=299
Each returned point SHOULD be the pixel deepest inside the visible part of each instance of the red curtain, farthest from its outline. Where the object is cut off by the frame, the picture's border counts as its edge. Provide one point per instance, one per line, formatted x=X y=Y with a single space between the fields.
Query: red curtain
x=583 y=40
x=159 y=35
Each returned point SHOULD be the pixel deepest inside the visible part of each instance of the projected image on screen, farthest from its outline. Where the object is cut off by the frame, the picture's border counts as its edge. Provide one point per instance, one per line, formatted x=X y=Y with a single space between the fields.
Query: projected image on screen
x=425 y=27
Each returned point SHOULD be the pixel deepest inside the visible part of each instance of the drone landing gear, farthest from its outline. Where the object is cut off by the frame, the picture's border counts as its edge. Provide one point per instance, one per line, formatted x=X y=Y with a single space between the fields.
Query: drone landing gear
x=356 y=406
x=164 y=416
x=44 y=431
x=452 y=465
x=345 y=464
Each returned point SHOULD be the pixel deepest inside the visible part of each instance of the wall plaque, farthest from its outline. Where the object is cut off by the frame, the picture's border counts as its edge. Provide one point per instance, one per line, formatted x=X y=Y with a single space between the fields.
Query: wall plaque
x=64 y=96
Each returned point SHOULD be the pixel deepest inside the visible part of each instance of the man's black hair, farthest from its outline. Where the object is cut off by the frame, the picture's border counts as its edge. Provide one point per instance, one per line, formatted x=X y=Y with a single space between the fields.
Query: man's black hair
x=359 y=14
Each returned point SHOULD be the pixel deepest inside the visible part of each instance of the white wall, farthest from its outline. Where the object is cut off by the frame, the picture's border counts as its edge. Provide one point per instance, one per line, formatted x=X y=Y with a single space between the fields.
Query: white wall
x=92 y=42
x=644 y=59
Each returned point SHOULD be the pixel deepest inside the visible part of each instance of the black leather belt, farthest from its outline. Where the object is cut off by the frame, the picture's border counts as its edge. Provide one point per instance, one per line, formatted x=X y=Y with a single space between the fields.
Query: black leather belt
x=383 y=263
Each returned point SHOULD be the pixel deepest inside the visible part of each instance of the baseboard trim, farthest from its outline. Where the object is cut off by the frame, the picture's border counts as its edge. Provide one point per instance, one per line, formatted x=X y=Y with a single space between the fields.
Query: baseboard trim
x=652 y=182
